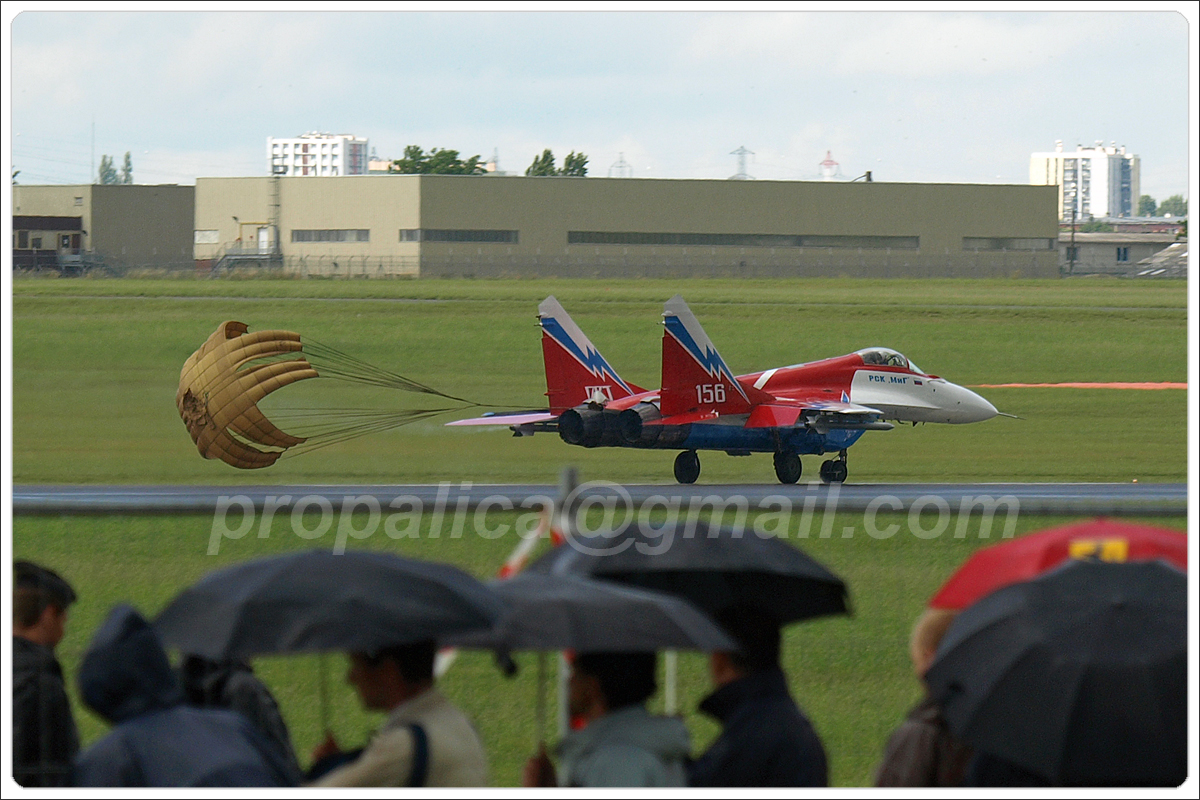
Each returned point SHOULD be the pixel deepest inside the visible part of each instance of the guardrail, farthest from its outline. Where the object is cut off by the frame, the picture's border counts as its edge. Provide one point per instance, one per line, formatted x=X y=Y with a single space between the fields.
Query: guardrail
x=1045 y=499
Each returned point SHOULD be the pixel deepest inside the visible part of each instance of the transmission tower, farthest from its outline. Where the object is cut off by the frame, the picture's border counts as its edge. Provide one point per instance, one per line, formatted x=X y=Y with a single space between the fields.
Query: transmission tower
x=620 y=168
x=741 y=153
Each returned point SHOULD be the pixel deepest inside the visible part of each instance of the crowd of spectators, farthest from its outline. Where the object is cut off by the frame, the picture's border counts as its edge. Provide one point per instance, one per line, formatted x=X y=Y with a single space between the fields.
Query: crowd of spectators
x=213 y=723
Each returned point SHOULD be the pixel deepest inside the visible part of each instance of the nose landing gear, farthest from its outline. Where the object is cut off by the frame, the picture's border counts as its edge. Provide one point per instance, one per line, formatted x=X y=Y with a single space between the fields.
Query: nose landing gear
x=834 y=470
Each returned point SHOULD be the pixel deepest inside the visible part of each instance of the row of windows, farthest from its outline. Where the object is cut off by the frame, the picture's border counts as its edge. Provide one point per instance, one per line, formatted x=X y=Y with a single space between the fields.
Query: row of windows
x=447 y=235
x=1072 y=254
x=409 y=235
x=674 y=239
x=741 y=240
x=23 y=241
x=985 y=243
x=350 y=235
x=302 y=148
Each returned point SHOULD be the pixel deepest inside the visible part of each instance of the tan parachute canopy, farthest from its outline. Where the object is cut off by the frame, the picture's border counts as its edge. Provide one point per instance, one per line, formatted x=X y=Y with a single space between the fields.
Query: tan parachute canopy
x=222 y=383
x=218 y=396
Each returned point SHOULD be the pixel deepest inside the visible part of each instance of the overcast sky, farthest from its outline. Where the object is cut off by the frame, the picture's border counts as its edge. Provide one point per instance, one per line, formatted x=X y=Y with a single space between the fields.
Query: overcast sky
x=911 y=96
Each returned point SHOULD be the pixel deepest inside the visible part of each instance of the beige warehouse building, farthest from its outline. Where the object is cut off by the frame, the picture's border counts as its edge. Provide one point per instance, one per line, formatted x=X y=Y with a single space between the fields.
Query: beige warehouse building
x=446 y=225
x=124 y=227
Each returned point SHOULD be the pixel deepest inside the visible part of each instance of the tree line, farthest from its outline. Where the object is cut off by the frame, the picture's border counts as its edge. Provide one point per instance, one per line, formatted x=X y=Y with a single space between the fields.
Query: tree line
x=448 y=162
x=1174 y=206
x=108 y=174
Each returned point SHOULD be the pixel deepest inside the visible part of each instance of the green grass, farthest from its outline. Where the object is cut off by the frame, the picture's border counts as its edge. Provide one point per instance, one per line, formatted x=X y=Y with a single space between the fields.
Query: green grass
x=96 y=365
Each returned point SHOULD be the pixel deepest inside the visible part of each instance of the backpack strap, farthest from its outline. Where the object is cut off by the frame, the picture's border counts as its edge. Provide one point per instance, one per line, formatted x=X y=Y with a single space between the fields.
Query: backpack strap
x=420 y=760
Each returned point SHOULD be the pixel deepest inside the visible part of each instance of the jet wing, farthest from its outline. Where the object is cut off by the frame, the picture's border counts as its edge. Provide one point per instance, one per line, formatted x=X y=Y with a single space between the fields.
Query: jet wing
x=822 y=415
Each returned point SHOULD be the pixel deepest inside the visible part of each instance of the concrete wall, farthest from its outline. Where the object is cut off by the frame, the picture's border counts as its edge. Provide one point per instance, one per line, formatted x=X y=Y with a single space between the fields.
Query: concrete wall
x=130 y=227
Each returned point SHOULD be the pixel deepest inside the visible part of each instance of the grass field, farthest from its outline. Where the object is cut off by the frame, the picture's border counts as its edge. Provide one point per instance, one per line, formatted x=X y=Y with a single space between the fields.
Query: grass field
x=96 y=364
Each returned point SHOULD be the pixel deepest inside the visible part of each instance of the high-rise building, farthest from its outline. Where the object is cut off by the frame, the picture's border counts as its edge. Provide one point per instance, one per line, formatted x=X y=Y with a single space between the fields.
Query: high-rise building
x=1092 y=182
x=318 y=154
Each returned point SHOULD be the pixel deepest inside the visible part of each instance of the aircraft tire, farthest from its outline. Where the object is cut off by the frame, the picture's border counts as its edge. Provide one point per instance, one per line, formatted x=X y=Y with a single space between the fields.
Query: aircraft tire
x=834 y=471
x=788 y=467
x=687 y=466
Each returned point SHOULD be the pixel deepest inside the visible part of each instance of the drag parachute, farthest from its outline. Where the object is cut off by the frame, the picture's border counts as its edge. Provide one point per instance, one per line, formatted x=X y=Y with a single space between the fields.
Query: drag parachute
x=222 y=383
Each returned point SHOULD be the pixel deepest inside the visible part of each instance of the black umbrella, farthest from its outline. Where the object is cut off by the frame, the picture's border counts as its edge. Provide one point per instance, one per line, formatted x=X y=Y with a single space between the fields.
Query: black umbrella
x=318 y=601
x=568 y=612
x=715 y=568
x=1078 y=676
x=571 y=612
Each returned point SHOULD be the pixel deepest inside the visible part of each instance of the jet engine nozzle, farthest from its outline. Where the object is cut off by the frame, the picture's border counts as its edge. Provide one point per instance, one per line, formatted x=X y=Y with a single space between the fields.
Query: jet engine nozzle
x=636 y=433
x=588 y=427
x=630 y=423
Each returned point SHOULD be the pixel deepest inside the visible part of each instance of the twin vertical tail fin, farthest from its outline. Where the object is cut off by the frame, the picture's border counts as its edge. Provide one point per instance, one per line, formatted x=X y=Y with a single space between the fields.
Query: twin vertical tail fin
x=695 y=379
x=576 y=373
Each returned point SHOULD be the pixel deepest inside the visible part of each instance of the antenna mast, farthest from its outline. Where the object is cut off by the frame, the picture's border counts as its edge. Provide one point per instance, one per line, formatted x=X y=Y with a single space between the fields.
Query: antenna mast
x=620 y=168
x=741 y=153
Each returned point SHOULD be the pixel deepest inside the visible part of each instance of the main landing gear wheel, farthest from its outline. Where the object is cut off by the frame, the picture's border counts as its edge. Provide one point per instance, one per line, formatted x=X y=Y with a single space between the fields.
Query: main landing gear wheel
x=787 y=467
x=834 y=471
x=687 y=466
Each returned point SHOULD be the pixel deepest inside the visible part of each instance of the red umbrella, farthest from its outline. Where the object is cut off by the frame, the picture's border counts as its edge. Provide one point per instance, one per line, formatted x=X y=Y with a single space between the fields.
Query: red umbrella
x=1029 y=556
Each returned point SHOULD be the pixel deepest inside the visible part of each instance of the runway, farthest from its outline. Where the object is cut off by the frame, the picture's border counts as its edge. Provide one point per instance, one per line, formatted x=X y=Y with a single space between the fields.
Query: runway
x=1092 y=499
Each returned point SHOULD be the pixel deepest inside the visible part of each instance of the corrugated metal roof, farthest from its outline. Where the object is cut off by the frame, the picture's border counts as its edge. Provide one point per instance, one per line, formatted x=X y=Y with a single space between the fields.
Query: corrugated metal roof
x=1171 y=262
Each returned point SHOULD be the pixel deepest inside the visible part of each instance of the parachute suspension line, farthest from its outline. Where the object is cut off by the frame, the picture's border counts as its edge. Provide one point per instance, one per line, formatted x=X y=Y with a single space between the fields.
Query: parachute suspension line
x=331 y=431
x=311 y=423
x=333 y=363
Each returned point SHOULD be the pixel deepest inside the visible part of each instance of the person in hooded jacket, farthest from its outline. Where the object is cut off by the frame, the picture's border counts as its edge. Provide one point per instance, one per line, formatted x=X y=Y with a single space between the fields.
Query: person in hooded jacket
x=158 y=740
x=232 y=684
x=622 y=744
x=765 y=739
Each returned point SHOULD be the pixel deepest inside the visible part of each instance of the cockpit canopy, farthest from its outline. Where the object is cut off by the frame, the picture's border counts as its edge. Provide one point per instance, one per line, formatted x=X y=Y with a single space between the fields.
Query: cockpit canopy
x=886 y=357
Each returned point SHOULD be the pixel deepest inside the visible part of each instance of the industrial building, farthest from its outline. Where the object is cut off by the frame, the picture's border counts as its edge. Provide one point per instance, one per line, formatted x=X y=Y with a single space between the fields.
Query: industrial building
x=1108 y=253
x=119 y=227
x=1091 y=182
x=483 y=226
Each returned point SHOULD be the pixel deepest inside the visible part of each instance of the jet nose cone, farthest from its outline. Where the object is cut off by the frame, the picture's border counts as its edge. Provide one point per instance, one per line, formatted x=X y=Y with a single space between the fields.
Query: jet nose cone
x=970 y=407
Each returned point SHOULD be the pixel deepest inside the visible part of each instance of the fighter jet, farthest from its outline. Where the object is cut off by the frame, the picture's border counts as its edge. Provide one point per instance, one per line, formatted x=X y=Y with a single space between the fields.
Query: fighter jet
x=815 y=408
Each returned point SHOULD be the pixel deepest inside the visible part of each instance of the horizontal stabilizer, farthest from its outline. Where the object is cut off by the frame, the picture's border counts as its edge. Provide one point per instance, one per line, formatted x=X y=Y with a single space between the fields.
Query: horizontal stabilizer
x=523 y=418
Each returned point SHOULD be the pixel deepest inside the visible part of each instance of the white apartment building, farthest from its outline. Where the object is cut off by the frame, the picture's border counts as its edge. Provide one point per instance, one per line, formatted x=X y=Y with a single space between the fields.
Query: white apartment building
x=1094 y=181
x=318 y=154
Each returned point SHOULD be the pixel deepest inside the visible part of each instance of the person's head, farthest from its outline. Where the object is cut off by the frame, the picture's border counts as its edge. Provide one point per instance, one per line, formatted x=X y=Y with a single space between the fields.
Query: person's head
x=40 y=601
x=387 y=677
x=757 y=634
x=927 y=634
x=604 y=682
x=125 y=672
